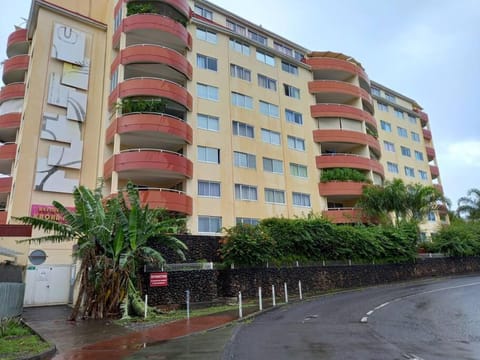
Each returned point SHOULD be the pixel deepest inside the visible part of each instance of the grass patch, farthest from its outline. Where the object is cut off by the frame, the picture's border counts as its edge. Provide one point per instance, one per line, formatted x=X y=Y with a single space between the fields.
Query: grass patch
x=17 y=340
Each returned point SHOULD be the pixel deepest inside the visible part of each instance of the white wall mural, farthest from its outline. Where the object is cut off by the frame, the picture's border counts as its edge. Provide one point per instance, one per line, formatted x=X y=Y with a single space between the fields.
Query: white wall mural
x=67 y=92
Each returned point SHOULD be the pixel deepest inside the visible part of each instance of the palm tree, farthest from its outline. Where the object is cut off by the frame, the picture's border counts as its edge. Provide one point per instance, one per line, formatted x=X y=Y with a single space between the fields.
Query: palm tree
x=469 y=206
x=420 y=200
x=111 y=237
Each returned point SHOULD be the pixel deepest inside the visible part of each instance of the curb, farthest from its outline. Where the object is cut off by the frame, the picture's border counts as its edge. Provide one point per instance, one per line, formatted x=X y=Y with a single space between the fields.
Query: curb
x=47 y=354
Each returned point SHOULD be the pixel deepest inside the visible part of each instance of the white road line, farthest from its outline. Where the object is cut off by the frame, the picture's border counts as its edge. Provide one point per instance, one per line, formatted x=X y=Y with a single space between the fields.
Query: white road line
x=364 y=319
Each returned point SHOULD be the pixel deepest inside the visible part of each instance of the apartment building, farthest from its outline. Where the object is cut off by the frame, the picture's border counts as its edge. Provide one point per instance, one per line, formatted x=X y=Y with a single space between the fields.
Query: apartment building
x=211 y=116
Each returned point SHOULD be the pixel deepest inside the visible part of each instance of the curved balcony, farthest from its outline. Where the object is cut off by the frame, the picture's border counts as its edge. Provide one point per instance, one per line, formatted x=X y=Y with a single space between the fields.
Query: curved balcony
x=171 y=200
x=15 y=68
x=423 y=117
x=347 y=136
x=146 y=165
x=335 y=69
x=339 y=92
x=152 y=87
x=156 y=30
x=430 y=153
x=342 y=111
x=151 y=59
x=427 y=134
x=8 y=153
x=341 y=188
x=3 y=216
x=9 y=123
x=180 y=5
x=328 y=161
x=434 y=171
x=439 y=188
x=17 y=43
x=150 y=130
x=12 y=91
x=345 y=215
x=5 y=185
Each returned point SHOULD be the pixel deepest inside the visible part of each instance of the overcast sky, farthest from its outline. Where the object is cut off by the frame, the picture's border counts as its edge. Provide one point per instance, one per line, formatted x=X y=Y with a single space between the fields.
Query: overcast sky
x=428 y=50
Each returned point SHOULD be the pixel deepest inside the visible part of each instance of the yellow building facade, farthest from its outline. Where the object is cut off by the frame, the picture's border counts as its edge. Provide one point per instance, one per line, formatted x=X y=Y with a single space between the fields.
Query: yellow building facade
x=210 y=116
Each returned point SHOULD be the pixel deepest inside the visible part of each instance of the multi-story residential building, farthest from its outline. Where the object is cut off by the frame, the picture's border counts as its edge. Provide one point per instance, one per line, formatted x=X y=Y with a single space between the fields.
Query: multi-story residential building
x=208 y=114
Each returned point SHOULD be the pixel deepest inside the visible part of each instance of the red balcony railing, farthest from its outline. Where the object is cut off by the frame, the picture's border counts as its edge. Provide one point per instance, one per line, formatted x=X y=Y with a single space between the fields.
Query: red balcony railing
x=434 y=171
x=346 y=136
x=171 y=200
x=342 y=111
x=345 y=215
x=430 y=153
x=17 y=43
x=341 y=188
x=427 y=134
x=328 y=161
x=325 y=63
x=12 y=91
x=14 y=69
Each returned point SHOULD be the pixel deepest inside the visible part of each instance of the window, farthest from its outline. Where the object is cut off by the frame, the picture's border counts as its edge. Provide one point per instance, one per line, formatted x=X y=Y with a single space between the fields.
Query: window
x=257 y=37
x=409 y=171
x=386 y=126
x=244 y=160
x=208 y=154
x=242 y=129
x=405 y=151
x=418 y=155
x=382 y=106
x=431 y=216
x=114 y=80
x=240 y=72
x=290 y=68
x=423 y=175
x=208 y=122
x=412 y=119
x=247 y=221
x=399 y=113
x=203 y=12
x=269 y=109
x=402 y=132
x=266 y=82
x=388 y=146
x=300 y=199
x=237 y=28
x=390 y=97
x=298 y=170
x=245 y=192
x=240 y=47
x=118 y=20
x=275 y=196
x=270 y=137
x=207 y=92
x=208 y=188
x=209 y=224
x=415 y=136
x=272 y=165
x=375 y=91
x=296 y=143
x=206 y=35
x=283 y=49
x=241 y=100
x=293 y=117
x=291 y=91
x=392 y=167
x=206 y=62
x=265 y=58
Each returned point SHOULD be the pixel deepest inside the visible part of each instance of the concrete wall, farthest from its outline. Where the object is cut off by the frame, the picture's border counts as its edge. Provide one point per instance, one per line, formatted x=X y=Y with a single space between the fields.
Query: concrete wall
x=207 y=286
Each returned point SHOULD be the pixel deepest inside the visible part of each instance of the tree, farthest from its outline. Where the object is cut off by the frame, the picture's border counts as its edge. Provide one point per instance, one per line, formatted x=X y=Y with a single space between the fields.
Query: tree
x=469 y=206
x=404 y=202
x=111 y=242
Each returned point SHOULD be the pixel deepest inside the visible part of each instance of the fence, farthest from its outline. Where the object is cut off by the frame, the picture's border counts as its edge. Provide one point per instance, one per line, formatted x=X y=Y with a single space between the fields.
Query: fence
x=11 y=299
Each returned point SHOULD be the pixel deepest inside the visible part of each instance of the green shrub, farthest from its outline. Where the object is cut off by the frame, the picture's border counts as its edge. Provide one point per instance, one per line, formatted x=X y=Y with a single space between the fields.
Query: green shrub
x=343 y=174
x=458 y=239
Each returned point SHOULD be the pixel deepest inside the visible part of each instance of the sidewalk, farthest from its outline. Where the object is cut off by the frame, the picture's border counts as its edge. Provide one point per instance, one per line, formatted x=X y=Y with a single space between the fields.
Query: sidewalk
x=100 y=339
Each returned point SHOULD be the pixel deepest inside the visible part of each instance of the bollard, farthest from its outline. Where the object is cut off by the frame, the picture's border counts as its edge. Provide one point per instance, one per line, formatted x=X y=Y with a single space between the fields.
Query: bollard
x=146 y=306
x=260 y=302
x=188 y=304
x=300 y=289
x=286 y=292
x=273 y=295
x=240 y=312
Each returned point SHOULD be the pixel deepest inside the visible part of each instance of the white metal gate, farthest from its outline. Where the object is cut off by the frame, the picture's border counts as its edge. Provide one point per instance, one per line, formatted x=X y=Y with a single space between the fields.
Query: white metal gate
x=47 y=284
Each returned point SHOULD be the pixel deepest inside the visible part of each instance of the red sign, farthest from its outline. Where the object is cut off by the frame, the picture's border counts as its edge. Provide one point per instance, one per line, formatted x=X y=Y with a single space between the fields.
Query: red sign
x=158 y=279
x=48 y=212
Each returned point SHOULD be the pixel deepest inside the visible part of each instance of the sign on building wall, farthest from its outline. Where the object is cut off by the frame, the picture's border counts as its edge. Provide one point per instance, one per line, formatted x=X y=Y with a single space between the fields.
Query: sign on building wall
x=47 y=212
x=62 y=128
x=158 y=279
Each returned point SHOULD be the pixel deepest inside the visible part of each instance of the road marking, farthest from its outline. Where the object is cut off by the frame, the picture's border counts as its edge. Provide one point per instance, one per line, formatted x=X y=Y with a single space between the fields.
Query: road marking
x=364 y=319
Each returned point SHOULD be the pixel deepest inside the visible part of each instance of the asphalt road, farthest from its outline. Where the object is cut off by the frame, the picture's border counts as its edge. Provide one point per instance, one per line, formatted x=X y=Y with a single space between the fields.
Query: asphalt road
x=429 y=320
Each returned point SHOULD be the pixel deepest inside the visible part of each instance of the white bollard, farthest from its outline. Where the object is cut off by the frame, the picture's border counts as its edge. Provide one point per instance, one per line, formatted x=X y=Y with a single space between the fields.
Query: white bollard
x=146 y=306
x=300 y=289
x=240 y=312
x=273 y=295
x=260 y=302
x=286 y=292
x=188 y=304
